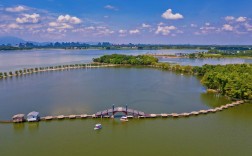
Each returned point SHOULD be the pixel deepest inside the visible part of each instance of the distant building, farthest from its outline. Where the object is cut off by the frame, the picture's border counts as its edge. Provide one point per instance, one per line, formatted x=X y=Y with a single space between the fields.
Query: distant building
x=180 y=54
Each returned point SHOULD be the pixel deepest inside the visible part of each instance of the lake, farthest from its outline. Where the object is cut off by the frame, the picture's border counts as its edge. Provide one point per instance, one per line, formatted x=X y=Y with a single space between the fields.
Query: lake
x=91 y=90
x=15 y=60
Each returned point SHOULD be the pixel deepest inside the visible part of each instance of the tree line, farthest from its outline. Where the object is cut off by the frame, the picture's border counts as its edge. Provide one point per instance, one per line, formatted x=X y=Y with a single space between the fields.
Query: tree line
x=127 y=59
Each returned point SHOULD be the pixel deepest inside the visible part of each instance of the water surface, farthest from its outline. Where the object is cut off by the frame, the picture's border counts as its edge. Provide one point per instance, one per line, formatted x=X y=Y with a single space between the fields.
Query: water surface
x=91 y=90
x=15 y=60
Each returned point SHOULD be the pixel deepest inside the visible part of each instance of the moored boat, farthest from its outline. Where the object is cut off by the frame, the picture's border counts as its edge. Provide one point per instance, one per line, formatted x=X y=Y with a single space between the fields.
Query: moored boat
x=98 y=126
x=33 y=117
x=124 y=118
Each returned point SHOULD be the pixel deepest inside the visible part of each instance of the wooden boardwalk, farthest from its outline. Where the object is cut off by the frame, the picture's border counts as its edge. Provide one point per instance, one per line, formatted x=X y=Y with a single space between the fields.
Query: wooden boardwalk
x=131 y=113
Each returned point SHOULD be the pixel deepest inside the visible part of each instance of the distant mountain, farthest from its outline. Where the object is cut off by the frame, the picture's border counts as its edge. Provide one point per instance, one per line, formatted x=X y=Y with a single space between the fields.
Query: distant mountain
x=11 y=40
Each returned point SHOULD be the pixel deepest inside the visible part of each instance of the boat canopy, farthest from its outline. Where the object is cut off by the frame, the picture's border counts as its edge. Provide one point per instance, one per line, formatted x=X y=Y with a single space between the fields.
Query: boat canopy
x=33 y=113
x=18 y=116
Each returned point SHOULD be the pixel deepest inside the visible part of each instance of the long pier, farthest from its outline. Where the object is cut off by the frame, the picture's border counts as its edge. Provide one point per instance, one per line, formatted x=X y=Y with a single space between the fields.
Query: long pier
x=131 y=113
x=27 y=71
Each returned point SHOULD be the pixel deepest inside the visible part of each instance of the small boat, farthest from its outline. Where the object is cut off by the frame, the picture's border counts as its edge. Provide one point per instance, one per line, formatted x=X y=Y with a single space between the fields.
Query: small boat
x=33 y=117
x=97 y=127
x=124 y=118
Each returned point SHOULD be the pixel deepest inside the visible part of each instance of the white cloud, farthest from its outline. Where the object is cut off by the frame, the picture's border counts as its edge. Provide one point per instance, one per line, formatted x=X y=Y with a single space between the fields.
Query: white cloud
x=180 y=32
x=65 y=26
x=90 y=28
x=84 y=29
x=241 y=19
x=207 y=28
x=122 y=31
x=229 y=18
x=207 y=24
x=13 y=26
x=50 y=29
x=165 y=30
x=146 y=25
x=248 y=27
x=135 y=31
x=161 y=23
x=194 y=25
x=28 y=18
x=60 y=25
x=103 y=31
x=110 y=7
x=53 y=24
x=16 y=9
x=169 y=15
x=227 y=27
x=68 y=19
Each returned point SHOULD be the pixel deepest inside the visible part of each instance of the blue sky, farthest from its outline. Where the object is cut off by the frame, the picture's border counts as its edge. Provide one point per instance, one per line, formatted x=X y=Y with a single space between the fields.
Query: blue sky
x=125 y=21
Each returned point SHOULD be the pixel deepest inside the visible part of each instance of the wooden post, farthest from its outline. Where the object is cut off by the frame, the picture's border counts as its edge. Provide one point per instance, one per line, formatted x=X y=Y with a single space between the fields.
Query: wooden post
x=126 y=109
x=113 y=109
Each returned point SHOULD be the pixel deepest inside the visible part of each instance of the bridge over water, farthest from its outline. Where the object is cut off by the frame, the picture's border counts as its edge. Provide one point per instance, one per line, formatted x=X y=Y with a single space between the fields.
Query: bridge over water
x=125 y=110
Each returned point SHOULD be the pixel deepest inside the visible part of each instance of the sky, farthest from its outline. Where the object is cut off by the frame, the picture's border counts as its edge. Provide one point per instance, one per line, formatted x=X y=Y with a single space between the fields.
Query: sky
x=129 y=21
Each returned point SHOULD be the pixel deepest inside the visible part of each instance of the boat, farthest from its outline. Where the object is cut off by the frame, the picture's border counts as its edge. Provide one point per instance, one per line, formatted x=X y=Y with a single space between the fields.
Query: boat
x=33 y=117
x=18 y=118
x=124 y=118
x=97 y=127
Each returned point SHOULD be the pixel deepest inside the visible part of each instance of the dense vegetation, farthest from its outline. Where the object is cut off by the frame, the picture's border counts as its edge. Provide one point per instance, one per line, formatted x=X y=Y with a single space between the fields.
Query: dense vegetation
x=238 y=53
x=220 y=54
x=233 y=80
x=127 y=59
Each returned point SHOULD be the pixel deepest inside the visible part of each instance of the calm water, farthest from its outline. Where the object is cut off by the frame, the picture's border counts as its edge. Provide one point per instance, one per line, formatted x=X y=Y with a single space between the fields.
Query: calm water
x=14 y=60
x=200 y=62
x=91 y=90
x=149 y=90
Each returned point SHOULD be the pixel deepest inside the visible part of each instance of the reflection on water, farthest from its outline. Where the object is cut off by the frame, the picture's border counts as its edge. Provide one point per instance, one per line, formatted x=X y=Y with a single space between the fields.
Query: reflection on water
x=33 y=126
x=19 y=127
x=200 y=62
x=213 y=100
x=30 y=126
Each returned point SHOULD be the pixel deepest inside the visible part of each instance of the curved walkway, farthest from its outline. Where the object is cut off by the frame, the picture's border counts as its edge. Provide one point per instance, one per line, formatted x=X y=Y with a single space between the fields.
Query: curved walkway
x=138 y=114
